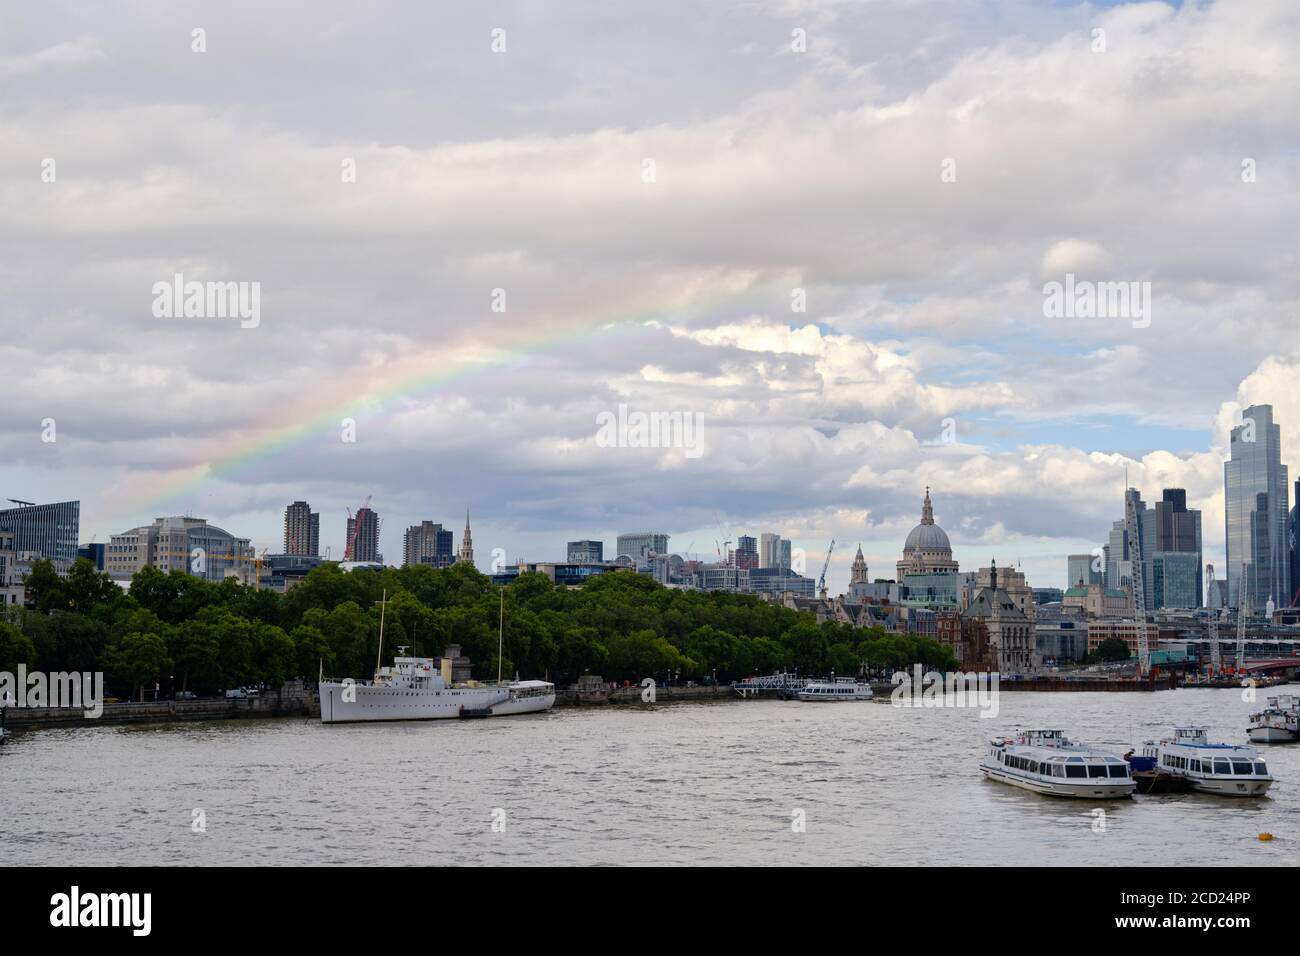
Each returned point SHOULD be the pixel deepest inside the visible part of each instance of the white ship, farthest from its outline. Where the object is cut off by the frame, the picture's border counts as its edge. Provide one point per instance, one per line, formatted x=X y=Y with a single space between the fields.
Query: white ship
x=1230 y=770
x=415 y=689
x=843 y=688
x=1277 y=723
x=1045 y=761
x=412 y=689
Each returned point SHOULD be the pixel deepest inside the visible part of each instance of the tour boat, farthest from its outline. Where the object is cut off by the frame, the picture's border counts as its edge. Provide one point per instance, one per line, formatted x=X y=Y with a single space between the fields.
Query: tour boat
x=842 y=688
x=1045 y=761
x=1277 y=723
x=1230 y=770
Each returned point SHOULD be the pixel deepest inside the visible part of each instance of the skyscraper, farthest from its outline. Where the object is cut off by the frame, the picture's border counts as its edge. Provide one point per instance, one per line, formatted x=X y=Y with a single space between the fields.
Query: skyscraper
x=301 y=529
x=636 y=545
x=1255 y=512
x=1295 y=551
x=1079 y=570
x=1176 y=532
x=50 y=530
x=427 y=543
x=746 y=553
x=363 y=536
x=585 y=552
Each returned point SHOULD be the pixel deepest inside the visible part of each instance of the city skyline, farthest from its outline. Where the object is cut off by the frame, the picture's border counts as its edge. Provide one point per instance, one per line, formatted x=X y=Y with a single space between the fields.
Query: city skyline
x=859 y=310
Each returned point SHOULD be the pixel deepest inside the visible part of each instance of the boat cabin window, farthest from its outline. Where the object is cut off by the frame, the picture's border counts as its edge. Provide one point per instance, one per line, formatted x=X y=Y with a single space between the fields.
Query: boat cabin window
x=1222 y=766
x=1240 y=767
x=1075 y=770
x=1096 y=770
x=1117 y=770
x=1260 y=768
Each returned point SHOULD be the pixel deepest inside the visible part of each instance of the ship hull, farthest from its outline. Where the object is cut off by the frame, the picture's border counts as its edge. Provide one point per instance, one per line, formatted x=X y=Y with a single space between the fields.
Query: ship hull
x=1084 y=790
x=1270 y=735
x=359 y=703
x=1231 y=787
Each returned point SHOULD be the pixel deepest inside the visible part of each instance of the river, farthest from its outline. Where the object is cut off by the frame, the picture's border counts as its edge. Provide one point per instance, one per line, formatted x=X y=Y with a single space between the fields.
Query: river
x=677 y=783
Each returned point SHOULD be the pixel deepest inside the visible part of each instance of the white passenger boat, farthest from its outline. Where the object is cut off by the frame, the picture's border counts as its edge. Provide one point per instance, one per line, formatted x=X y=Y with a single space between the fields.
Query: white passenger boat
x=1230 y=770
x=1278 y=723
x=842 y=688
x=1045 y=761
x=414 y=689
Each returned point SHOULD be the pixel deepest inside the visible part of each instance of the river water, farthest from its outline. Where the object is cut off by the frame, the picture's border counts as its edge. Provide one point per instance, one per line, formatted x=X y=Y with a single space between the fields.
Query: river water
x=678 y=783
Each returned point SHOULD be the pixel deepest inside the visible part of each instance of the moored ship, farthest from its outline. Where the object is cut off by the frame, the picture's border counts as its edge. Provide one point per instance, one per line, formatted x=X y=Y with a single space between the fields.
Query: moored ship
x=419 y=688
x=413 y=689
x=1047 y=762
x=843 y=688
x=1279 y=722
x=1229 y=770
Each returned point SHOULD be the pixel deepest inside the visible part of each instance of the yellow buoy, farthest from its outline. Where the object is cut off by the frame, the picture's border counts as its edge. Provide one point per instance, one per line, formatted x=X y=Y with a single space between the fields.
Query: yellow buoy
x=1266 y=837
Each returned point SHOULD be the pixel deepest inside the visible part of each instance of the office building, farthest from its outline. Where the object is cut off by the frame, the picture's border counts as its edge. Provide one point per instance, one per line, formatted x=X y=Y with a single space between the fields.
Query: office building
x=586 y=552
x=50 y=531
x=94 y=553
x=746 y=553
x=1083 y=569
x=12 y=590
x=1255 y=494
x=639 y=545
x=181 y=543
x=301 y=529
x=428 y=543
x=1177 y=530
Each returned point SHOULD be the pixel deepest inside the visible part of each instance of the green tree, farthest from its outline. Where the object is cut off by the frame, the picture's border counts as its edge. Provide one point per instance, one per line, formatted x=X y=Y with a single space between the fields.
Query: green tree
x=1112 y=649
x=137 y=659
x=15 y=648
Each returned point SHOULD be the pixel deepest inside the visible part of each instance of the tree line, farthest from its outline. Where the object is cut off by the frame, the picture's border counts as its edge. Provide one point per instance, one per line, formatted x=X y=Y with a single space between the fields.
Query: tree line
x=187 y=634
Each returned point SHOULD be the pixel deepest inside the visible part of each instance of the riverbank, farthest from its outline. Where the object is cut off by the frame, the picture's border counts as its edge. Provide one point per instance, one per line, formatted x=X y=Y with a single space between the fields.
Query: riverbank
x=294 y=699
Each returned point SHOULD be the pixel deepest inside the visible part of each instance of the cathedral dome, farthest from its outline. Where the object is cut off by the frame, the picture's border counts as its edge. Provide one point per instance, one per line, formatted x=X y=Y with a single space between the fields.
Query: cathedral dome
x=927 y=537
x=927 y=550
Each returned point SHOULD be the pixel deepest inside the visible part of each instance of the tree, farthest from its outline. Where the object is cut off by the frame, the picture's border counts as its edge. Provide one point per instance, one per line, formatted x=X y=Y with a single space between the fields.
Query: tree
x=15 y=648
x=138 y=659
x=1113 y=649
x=195 y=653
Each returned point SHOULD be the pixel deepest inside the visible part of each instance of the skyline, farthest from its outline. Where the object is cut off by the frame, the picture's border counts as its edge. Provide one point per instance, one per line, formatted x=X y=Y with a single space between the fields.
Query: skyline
x=813 y=555
x=820 y=172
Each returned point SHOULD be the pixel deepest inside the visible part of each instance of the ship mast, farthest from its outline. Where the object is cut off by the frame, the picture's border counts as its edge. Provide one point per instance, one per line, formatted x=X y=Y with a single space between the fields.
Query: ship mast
x=383 y=604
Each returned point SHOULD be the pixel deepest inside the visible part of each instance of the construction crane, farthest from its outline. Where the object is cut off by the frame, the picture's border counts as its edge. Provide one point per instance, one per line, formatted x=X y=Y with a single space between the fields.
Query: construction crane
x=1242 y=597
x=356 y=526
x=1133 y=525
x=1216 y=656
x=821 y=584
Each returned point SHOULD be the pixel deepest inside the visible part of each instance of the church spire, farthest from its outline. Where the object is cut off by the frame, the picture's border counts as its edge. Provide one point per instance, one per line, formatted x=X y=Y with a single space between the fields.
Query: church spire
x=466 y=543
x=927 y=510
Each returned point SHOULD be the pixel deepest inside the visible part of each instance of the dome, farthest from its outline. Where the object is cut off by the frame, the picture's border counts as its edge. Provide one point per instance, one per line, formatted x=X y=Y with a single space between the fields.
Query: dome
x=927 y=537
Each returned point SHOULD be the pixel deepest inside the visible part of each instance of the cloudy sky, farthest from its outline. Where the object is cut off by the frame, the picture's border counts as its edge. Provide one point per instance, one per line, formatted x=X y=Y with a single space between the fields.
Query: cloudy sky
x=649 y=189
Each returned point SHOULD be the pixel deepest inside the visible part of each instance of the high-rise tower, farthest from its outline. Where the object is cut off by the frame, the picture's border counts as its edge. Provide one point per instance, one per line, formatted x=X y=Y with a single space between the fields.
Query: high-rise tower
x=1255 y=497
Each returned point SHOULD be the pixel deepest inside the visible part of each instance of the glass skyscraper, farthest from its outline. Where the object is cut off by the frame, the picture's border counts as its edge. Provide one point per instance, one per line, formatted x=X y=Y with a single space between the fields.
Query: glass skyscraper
x=1255 y=512
x=51 y=530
